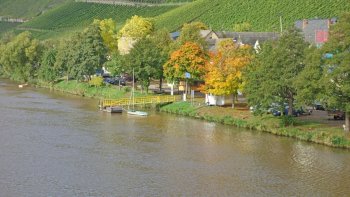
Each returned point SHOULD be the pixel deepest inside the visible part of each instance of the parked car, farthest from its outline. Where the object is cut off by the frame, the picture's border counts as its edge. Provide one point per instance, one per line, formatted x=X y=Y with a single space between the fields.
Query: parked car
x=319 y=107
x=336 y=114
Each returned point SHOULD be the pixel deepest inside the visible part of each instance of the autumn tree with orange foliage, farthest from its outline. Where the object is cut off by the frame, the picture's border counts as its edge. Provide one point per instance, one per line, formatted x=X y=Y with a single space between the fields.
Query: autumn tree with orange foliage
x=190 y=58
x=224 y=71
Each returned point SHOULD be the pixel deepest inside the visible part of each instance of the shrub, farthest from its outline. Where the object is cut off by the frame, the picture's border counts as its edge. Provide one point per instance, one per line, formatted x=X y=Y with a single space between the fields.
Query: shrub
x=96 y=81
x=287 y=121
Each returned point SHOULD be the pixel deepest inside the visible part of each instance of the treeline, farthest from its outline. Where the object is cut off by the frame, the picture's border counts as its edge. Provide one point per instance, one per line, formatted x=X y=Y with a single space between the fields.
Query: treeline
x=284 y=71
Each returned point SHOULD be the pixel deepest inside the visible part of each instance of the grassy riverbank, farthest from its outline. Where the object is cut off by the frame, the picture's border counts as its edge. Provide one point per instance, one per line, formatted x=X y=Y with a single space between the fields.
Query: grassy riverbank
x=302 y=130
x=86 y=90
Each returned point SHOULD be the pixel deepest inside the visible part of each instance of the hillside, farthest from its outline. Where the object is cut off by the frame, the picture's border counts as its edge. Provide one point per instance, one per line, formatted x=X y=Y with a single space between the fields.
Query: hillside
x=28 y=8
x=74 y=16
x=263 y=15
x=5 y=26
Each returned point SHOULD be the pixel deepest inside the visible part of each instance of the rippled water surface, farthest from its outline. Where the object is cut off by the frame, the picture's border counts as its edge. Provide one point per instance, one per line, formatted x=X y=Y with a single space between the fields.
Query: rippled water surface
x=56 y=145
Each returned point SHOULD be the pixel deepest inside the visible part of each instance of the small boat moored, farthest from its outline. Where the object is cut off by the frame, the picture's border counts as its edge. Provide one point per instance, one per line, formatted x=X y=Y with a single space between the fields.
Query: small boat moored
x=115 y=109
x=137 y=113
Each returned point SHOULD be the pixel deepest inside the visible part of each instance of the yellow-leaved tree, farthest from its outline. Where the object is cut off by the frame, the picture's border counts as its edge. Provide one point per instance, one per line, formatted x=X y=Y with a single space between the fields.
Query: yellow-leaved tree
x=224 y=71
x=134 y=29
x=109 y=34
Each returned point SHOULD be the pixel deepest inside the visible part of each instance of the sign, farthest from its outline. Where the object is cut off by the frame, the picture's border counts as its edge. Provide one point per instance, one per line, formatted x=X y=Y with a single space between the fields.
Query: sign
x=328 y=55
x=187 y=75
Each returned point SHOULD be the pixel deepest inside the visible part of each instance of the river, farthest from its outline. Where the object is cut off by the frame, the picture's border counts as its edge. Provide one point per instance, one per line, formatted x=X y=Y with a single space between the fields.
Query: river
x=52 y=144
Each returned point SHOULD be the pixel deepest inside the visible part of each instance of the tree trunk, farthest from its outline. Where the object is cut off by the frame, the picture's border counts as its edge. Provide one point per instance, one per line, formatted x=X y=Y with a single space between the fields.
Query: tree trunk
x=290 y=108
x=347 y=122
x=160 y=84
x=233 y=101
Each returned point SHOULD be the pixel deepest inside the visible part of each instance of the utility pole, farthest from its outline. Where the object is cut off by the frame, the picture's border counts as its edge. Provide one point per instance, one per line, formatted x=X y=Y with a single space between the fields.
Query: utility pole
x=281 y=23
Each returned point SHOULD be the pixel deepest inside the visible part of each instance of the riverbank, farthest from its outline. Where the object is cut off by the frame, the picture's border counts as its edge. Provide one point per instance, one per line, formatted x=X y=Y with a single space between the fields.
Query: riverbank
x=303 y=130
x=86 y=90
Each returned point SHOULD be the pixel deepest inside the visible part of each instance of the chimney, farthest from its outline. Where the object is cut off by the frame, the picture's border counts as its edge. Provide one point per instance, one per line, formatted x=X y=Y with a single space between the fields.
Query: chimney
x=329 y=23
x=305 y=22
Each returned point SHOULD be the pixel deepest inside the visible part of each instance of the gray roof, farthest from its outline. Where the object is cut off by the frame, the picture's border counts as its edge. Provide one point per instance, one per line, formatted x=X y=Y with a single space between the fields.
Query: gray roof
x=309 y=27
x=249 y=37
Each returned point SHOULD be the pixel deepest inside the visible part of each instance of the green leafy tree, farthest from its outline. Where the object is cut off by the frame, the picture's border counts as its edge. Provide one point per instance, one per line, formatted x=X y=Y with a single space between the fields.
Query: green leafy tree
x=20 y=57
x=190 y=32
x=336 y=76
x=147 y=59
x=47 y=71
x=270 y=78
x=87 y=54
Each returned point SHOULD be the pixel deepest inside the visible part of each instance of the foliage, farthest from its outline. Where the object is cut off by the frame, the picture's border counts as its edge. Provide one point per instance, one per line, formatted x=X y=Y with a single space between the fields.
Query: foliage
x=96 y=81
x=308 y=84
x=147 y=59
x=287 y=121
x=136 y=27
x=263 y=15
x=109 y=34
x=47 y=71
x=224 y=71
x=270 y=79
x=86 y=53
x=6 y=26
x=20 y=57
x=242 y=27
x=190 y=32
x=190 y=58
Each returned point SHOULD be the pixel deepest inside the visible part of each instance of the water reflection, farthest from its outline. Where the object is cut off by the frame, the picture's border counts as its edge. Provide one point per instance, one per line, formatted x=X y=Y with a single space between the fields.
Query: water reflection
x=58 y=145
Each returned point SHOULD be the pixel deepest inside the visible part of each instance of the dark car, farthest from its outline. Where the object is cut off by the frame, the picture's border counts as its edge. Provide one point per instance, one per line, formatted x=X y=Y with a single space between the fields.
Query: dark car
x=115 y=81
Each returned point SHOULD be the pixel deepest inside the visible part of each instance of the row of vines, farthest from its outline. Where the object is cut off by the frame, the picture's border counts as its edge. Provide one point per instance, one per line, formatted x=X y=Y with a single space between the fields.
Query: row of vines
x=263 y=15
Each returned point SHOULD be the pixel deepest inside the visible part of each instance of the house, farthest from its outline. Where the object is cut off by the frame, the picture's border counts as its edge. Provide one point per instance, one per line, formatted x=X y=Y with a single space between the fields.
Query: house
x=315 y=31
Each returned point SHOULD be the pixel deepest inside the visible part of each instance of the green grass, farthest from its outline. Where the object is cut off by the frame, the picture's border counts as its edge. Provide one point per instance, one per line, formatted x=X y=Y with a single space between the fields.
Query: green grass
x=74 y=16
x=263 y=15
x=302 y=130
x=28 y=8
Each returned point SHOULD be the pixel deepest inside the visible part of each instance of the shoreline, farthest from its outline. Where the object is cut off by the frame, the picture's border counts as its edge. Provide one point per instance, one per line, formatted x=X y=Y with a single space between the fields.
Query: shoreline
x=315 y=133
x=305 y=131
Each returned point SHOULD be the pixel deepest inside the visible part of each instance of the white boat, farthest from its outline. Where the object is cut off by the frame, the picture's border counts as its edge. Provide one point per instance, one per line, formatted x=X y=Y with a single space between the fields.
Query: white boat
x=137 y=113
x=133 y=111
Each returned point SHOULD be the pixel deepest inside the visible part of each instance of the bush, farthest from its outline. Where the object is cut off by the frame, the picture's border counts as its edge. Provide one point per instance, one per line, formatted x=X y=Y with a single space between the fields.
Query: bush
x=96 y=81
x=287 y=121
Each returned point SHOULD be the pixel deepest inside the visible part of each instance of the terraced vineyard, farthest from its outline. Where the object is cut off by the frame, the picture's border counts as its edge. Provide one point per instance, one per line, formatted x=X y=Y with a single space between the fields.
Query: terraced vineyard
x=263 y=15
x=27 y=8
x=5 y=26
x=74 y=16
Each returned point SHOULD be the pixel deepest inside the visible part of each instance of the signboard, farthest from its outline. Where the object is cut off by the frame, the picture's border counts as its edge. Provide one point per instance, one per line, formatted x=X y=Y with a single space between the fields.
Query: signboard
x=187 y=75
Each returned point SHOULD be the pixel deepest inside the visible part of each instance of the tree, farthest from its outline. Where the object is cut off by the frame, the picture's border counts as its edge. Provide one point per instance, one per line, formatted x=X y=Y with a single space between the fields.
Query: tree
x=190 y=32
x=20 y=57
x=270 y=78
x=87 y=53
x=224 y=71
x=147 y=59
x=136 y=27
x=336 y=76
x=133 y=30
x=109 y=34
x=47 y=70
x=190 y=58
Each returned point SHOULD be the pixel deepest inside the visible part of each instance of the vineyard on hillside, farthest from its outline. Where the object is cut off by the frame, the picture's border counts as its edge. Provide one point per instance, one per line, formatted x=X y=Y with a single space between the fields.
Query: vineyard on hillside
x=28 y=8
x=5 y=26
x=263 y=15
x=74 y=16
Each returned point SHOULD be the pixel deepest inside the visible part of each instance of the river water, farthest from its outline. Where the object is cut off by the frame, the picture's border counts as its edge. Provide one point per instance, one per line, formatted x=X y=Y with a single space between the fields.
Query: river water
x=57 y=145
